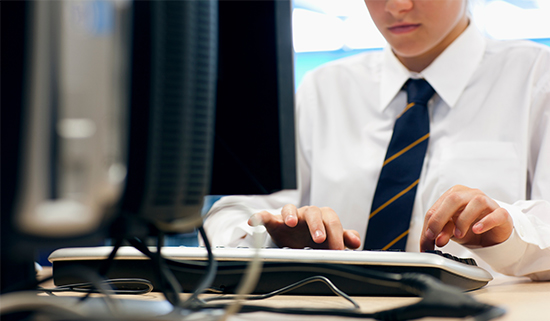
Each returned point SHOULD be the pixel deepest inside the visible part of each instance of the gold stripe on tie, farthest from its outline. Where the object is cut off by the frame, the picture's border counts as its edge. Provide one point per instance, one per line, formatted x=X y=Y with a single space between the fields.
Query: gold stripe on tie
x=401 y=152
x=395 y=241
x=405 y=110
x=394 y=198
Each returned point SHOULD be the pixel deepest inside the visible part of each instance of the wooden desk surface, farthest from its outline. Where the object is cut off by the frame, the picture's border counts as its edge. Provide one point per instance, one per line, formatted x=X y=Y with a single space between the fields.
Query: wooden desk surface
x=522 y=299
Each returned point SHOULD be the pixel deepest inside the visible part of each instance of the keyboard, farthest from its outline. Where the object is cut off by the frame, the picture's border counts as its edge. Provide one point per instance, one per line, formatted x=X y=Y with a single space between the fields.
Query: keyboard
x=281 y=267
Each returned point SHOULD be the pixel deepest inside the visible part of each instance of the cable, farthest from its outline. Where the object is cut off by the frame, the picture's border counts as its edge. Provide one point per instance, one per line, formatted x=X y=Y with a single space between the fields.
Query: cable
x=95 y=281
x=251 y=274
x=208 y=278
x=118 y=286
x=108 y=262
x=168 y=284
x=291 y=287
x=106 y=265
x=172 y=293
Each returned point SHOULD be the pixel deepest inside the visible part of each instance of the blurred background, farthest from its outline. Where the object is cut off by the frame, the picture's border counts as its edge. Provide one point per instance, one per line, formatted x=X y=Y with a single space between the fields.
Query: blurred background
x=325 y=30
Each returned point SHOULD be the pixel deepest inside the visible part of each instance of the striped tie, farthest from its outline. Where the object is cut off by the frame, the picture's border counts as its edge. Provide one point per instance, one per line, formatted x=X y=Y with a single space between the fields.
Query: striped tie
x=394 y=196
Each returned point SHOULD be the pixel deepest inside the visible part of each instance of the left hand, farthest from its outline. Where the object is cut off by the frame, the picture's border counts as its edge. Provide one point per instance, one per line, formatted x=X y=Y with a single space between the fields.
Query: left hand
x=308 y=226
x=467 y=216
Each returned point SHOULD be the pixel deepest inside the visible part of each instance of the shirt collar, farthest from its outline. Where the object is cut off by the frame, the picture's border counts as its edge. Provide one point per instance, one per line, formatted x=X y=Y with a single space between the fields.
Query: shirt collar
x=448 y=74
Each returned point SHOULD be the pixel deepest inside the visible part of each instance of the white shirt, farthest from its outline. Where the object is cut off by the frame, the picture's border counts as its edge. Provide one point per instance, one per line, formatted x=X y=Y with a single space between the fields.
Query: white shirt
x=489 y=129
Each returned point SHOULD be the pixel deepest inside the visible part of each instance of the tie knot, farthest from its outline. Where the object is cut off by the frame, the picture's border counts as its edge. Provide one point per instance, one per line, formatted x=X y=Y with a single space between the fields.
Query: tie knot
x=419 y=91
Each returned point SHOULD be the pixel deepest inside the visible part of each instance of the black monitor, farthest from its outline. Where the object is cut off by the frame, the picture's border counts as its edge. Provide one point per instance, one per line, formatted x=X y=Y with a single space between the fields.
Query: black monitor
x=181 y=99
x=172 y=113
x=211 y=109
x=254 y=146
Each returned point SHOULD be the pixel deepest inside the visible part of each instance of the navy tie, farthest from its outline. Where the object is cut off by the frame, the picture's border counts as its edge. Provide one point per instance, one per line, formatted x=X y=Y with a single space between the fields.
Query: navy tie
x=394 y=196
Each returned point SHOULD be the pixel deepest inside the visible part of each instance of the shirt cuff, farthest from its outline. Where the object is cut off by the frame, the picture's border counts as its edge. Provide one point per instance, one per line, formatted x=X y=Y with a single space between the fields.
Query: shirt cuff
x=503 y=254
x=245 y=235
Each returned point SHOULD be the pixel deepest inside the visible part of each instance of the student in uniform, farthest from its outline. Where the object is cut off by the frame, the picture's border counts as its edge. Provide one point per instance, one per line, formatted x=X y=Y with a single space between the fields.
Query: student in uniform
x=481 y=185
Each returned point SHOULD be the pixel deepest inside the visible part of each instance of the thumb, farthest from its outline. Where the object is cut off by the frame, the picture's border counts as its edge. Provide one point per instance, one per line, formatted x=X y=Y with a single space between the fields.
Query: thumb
x=264 y=218
x=352 y=240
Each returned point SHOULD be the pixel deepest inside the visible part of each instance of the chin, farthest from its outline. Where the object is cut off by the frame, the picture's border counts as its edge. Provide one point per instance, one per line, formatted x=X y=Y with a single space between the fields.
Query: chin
x=411 y=48
x=408 y=52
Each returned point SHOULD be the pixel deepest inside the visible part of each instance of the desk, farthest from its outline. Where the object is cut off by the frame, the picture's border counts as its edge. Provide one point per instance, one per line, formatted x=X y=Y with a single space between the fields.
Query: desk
x=522 y=299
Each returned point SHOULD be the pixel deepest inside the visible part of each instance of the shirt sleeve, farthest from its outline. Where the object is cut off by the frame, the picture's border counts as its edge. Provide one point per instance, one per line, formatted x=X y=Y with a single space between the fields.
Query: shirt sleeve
x=527 y=250
x=226 y=224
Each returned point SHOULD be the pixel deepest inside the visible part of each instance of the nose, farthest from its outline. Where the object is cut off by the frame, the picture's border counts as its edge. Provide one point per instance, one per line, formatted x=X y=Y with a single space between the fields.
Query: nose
x=399 y=7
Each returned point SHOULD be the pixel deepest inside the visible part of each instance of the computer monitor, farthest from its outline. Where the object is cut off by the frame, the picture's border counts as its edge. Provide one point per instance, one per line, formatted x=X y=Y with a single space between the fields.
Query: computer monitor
x=196 y=64
x=254 y=146
x=114 y=109
x=172 y=112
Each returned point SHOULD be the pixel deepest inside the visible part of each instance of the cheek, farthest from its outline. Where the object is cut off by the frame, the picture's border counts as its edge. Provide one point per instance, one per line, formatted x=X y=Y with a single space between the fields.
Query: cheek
x=377 y=11
x=445 y=17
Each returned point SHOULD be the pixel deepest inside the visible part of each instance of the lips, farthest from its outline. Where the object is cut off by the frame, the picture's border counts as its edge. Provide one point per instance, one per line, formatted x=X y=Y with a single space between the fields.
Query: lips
x=403 y=28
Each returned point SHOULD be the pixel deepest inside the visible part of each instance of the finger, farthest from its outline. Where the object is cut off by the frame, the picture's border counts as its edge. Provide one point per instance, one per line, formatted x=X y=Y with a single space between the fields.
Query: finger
x=314 y=220
x=290 y=215
x=446 y=234
x=494 y=219
x=435 y=207
x=264 y=218
x=333 y=228
x=434 y=231
x=352 y=240
x=478 y=207
x=452 y=205
x=426 y=244
x=427 y=238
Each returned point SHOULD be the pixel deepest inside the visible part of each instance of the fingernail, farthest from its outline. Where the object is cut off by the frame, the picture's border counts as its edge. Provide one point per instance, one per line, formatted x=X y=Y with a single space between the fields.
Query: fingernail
x=430 y=234
x=290 y=217
x=318 y=234
x=478 y=227
x=458 y=233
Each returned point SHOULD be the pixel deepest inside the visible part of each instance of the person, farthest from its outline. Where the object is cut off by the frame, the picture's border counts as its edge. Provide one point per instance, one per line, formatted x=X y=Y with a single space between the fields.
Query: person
x=484 y=188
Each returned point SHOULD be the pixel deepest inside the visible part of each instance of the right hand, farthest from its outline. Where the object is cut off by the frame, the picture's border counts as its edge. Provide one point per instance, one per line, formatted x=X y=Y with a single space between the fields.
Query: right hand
x=308 y=226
